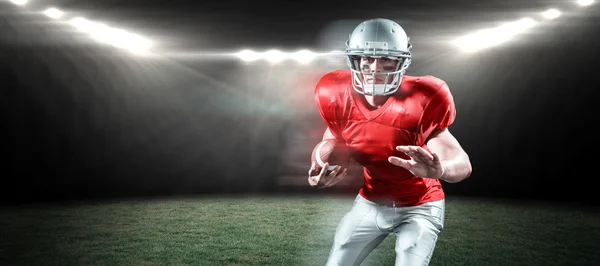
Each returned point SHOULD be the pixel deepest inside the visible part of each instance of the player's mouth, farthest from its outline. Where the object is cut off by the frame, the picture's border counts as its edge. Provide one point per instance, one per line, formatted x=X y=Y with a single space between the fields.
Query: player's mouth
x=377 y=80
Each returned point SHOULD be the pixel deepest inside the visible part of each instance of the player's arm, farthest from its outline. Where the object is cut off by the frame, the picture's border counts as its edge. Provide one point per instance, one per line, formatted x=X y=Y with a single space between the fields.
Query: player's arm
x=328 y=134
x=454 y=160
x=443 y=158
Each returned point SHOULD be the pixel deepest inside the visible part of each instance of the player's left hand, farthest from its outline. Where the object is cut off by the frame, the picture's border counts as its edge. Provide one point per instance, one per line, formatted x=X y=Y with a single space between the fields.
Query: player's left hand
x=422 y=163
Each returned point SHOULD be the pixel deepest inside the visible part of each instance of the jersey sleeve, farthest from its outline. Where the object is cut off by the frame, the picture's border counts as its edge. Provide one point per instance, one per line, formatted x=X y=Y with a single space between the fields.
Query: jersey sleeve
x=326 y=99
x=439 y=113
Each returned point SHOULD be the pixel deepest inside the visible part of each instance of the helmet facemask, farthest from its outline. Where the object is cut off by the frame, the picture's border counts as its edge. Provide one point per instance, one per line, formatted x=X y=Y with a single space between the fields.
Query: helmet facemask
x=392 y=77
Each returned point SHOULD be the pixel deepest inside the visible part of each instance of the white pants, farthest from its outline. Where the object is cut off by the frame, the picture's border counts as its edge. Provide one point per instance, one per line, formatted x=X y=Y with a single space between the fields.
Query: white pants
x=367 y=224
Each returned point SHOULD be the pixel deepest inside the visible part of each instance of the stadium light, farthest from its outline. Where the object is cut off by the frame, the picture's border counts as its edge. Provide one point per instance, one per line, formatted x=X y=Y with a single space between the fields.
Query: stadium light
x=247 y=55
x=80 y=23
x=303 y=56
x=585 y=2
x=274 y=56
x=494 y=36
x=112 y=36
x=134 y=43
x=53 y=13
x=551 y=13
x=19 y=2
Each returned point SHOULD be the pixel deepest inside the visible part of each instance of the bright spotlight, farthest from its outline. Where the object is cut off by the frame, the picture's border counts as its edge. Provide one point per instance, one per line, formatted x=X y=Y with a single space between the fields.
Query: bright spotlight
x=135 y=43
x=247 y=55
x=121 y=38
x=494 y=36
x=274 y=56
x=100 y=32
x=551 y=13
x=53 y=13
x=81 y=24
x=303 y=56
x=112 y=36
x=19 y=2
x=585 y=2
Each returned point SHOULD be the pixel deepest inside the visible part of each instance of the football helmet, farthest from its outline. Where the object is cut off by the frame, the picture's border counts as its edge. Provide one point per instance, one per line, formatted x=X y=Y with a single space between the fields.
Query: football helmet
x=378 y=38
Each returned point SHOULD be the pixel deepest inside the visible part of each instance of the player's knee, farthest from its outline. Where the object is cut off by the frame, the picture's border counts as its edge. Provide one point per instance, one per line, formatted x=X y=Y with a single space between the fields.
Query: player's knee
x=416 y=238
x=416 y=252
x=409 y=236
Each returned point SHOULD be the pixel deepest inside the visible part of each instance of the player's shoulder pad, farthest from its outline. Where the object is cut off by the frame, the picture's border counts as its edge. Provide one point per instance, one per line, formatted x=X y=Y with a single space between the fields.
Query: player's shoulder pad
x=432 y=83
x=329 y=84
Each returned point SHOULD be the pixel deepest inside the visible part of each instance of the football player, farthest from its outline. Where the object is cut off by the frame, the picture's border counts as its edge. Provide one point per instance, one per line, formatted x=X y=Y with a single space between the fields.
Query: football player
x=397 y=128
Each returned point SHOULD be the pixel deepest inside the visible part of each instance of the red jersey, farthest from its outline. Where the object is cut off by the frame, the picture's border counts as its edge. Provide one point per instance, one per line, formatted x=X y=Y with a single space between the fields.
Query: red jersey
x=408 y=117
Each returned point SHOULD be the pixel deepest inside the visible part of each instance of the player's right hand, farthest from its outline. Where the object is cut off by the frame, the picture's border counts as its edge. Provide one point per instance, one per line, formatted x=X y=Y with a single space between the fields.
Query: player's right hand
x=320 y=177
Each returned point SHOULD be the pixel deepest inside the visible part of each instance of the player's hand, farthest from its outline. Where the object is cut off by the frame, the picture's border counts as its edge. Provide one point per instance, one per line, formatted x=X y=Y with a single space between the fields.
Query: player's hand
x=422 y=163
x=323 y=178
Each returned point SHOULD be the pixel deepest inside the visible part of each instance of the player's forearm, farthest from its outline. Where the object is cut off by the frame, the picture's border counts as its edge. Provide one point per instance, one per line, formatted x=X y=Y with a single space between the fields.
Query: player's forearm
x=456 y=169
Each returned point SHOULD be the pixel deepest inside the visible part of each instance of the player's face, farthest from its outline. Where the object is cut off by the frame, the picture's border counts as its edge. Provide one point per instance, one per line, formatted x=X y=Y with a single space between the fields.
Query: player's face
x=377 y=65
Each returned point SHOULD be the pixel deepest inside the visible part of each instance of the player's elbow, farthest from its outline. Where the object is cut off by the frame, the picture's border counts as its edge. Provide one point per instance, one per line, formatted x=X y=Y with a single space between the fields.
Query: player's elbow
x=467 y=168
x=462 y=171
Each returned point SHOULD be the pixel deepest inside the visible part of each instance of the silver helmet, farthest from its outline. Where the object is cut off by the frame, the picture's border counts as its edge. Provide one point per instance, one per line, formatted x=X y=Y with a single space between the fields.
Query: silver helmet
x=378 y=38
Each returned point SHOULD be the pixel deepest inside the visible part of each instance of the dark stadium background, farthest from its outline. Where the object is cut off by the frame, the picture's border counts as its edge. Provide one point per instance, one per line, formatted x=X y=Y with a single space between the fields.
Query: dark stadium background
x=85 y=121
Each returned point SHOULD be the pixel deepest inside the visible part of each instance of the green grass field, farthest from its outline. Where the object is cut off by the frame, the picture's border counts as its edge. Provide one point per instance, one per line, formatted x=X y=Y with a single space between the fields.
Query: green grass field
x=283 y=231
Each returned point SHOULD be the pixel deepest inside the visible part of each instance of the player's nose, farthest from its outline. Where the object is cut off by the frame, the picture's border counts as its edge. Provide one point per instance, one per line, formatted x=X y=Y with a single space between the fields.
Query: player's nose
x=376 y=66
